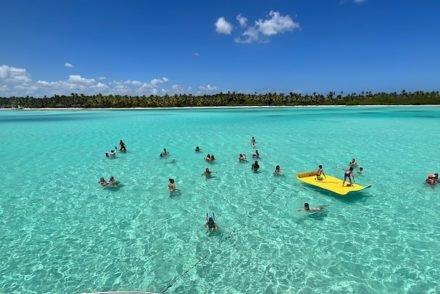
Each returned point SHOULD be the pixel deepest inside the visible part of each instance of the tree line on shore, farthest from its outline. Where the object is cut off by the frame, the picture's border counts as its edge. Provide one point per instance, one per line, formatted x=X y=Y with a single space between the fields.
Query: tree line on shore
x=223 y=99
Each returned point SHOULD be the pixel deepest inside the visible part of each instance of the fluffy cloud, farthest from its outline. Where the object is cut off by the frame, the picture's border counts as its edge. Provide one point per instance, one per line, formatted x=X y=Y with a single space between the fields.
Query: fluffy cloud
x=68 y=65
x=242 y=20
x=14 y=74
x=77 y=79
x=222 y=26
x=263 y=29
x=17 y=82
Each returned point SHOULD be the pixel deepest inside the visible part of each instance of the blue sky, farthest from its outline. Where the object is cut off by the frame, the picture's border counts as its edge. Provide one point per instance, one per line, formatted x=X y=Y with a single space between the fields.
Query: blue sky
x=160 y=47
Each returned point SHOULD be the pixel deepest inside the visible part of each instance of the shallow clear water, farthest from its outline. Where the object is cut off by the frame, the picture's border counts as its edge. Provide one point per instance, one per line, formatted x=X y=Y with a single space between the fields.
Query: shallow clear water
x=63 y=233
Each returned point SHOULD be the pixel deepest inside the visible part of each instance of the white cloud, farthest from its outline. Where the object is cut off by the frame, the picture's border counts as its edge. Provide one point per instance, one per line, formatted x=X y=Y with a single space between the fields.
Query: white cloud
x=196 y=54
x=13 y=74
x=208 y=88
x=222 y=26
x=77 y=79
x=263 y=29
x=276 y=24
x=68 y=65
x=242 y=20
x=156 y=82
x=17 y=82
x=359 y=1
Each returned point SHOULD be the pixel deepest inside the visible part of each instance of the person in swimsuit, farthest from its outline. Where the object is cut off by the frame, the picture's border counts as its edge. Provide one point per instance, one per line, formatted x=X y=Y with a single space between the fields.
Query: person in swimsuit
x=277 y=171
x=242 y=158
x=164 y=153
x=320 y=173
x=212 y=157
x=309 y=209
x=255 y=166
x=102 y=182
x=353 y=163
x=198 y=149
x=432 y=179
x=348 y=175
x=171 y=185
x=207 y=173
x=254 y=142
x=210 y=223
x=112 y=181
x=208 y=157
x=361 y=170
x=122 y=147
x=256 y=154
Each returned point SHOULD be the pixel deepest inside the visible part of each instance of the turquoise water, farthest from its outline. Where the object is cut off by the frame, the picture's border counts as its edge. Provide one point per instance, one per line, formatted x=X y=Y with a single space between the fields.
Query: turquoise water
x=61 y=232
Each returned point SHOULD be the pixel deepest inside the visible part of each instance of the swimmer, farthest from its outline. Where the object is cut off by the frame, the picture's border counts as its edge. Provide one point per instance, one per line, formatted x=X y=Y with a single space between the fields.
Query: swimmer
x=277 y=171
x=320 y=173
x=110 y=154
x=102 y=182
x=172 y=186
x=254 y=142
x=210 y=223
x=353 y=163
x=207 y=173
x=208 y=157
x=198 y=150
x=112 y=181
x=361 y=170
x=432 y=179
x=256 y=154
x=348 y=175
x=255 y=166
x=310 y=209
x=164 y=153
x=242 y=158
x=122 y=147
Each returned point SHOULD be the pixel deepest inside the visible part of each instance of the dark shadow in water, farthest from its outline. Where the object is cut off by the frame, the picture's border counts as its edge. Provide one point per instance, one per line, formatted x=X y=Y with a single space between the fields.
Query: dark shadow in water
x=175 y=194
x=114 y=188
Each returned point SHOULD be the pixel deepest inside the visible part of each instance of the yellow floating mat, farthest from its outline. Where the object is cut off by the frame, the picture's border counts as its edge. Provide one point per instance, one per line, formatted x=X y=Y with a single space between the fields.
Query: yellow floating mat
x=329 y=183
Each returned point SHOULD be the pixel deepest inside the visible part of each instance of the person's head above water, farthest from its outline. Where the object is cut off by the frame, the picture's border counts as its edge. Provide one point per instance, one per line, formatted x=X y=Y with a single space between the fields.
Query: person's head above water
x=351 y=168
x=320 y=166
x=306 y=206
x=171 y=181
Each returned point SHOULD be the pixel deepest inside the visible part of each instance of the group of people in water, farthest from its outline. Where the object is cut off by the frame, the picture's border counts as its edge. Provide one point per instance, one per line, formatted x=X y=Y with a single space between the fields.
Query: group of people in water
x=210 y=224
x=110 y=183
x=112 y=153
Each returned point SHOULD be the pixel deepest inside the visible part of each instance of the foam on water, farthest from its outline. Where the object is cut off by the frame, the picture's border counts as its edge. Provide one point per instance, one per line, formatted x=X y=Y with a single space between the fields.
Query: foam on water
x=62 y=232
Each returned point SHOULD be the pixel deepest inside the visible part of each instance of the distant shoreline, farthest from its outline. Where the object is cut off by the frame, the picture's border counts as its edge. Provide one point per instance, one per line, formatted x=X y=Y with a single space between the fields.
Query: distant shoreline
x=210 y=107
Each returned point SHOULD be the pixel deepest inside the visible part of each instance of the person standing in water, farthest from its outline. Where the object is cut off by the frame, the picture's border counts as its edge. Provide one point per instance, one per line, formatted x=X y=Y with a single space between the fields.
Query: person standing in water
x=207 y=173
x=172 y=185
x=255 y=166
x=277 y=171
x=254 y=142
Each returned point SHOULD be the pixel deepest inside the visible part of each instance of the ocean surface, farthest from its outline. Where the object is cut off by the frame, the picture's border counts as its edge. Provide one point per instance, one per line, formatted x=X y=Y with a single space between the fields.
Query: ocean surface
x=61 y=232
